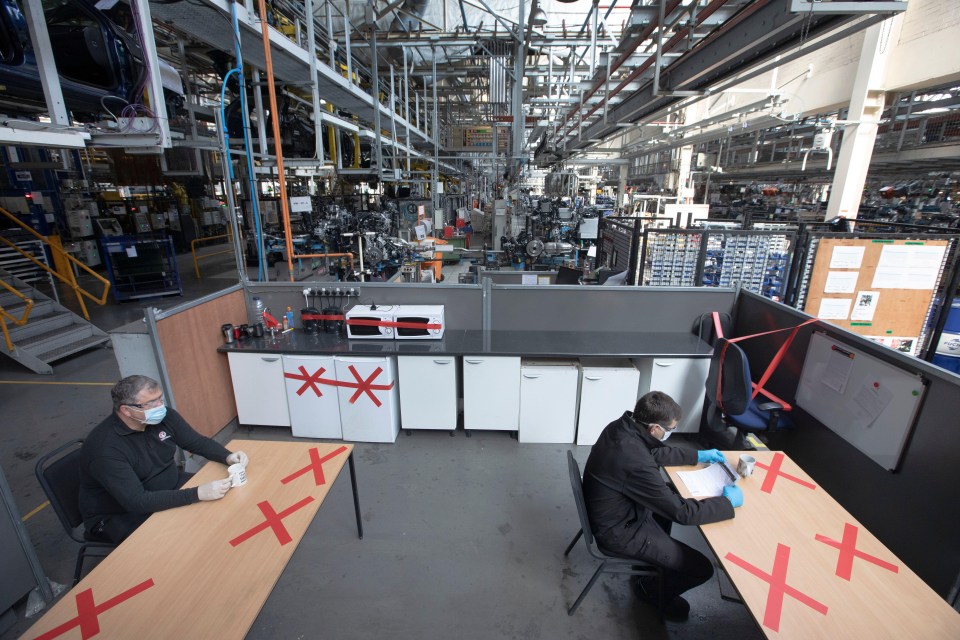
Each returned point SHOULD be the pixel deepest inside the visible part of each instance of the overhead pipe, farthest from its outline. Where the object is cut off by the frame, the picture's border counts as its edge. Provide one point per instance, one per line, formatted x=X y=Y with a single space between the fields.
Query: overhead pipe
x=677 y=37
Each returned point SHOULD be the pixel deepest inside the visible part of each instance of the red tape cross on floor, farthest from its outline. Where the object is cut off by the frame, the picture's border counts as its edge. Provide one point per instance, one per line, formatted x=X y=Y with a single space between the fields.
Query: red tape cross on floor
x=316 y=463
x=273 y=521
x=774 y=470
x=848 y=551
x=778 y=587
x=88 y=612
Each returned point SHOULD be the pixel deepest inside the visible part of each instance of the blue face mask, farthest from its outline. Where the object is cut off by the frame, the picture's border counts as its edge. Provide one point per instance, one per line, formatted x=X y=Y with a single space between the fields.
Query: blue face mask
x=154 y=415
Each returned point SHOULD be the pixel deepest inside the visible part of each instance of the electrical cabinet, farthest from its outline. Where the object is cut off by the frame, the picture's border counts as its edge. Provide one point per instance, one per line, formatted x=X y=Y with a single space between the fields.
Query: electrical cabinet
x=491 y=393
x=608 y=387
x=258 y=386
x=428 y=392
x=548 y=401
x=683 y=379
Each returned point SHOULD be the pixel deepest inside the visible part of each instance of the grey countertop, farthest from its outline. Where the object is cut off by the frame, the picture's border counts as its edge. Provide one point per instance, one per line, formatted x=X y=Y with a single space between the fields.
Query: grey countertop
x=561 y=344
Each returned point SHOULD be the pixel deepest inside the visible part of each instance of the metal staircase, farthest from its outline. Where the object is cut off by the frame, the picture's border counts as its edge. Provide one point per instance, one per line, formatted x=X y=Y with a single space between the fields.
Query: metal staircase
x=51 y=331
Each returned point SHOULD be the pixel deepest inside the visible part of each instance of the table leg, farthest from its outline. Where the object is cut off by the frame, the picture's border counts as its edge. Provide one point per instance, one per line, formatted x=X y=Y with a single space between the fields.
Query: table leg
x=356 y=498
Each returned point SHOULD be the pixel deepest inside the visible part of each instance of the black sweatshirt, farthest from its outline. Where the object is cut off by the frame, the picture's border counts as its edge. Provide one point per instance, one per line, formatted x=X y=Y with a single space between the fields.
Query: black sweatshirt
x=127 y=471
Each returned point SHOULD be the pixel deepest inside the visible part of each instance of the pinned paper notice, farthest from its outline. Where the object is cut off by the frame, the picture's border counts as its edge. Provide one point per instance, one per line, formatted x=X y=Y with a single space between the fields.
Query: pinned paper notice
x=839 y=366
x=846 y=257
x=528 y=278
x=131 y=252
x=834 y=308
x=869 y=403
x=865 y=306
x=904 y=266
x=841 y=281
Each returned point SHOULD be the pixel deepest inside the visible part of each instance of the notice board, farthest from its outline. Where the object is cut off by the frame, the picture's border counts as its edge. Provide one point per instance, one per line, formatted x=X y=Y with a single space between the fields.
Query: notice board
x=870 y=403
x=879 y=288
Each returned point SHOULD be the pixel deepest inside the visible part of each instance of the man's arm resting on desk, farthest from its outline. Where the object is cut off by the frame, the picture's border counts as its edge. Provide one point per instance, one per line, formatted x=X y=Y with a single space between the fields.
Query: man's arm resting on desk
x=647 y=487
x=119 y=479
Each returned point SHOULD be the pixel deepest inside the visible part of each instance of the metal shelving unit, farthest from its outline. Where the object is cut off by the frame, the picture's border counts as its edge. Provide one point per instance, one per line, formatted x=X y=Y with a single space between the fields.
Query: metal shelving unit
x=141 y=266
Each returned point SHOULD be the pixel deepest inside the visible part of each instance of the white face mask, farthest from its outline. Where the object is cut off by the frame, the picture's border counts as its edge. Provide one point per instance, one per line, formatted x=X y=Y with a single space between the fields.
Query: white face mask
x=666 y=434
x=154 y=415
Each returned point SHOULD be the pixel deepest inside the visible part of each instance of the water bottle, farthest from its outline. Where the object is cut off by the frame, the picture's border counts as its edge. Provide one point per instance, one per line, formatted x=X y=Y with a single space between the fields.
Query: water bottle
x=258 y=308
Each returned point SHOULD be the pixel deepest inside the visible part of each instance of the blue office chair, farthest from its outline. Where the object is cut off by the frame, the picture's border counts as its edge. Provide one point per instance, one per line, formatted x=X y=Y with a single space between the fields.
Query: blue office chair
x=730 y=392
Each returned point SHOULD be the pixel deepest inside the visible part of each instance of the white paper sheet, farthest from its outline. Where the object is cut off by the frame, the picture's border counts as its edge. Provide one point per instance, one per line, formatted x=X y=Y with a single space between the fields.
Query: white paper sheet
x=838 y=369
x=865 y=306
x=528 y=278
x=870 y=401
x=131 y=252
x=906 y=266
x=846 y=257
x=841 y=281
x=834 y=308
x=709 y=481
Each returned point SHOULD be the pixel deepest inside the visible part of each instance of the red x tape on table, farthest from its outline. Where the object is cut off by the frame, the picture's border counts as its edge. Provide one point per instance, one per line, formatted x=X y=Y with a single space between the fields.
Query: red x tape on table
x=848 y=551
x=88 y=612
x=273 y=521
x=316 y=464
x=773 y=471
x=310 y=381
x=778 y=586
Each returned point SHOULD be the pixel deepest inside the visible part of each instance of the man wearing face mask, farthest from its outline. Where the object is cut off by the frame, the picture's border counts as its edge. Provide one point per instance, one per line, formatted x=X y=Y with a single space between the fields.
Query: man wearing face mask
x=631 y=508
x=127 y=467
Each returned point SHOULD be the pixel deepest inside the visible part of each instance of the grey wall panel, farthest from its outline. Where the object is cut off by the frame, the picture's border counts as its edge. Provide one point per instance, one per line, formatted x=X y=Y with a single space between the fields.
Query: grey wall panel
x=576 y=308
x=912 y=511
x=463 y=304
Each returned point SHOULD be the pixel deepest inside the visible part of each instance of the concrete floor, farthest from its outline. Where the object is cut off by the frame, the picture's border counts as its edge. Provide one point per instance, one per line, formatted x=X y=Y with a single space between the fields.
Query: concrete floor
x=464 y=537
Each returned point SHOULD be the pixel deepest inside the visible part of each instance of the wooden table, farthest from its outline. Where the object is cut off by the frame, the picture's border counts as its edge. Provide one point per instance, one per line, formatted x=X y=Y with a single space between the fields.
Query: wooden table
x=205 y=570
x=805 y=568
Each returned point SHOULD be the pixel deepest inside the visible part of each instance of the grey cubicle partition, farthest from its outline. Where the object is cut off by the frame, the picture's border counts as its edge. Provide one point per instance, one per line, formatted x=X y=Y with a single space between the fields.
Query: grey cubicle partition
x=912 y=511
x=573 y=308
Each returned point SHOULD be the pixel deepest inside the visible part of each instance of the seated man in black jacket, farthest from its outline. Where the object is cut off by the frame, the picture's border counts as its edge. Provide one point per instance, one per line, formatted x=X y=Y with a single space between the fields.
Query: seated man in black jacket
x=631 y=508
x=127 y=467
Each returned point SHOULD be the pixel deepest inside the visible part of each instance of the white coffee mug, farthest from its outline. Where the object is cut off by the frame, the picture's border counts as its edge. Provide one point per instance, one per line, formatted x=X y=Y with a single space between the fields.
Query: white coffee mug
x=238 y=475
x=745 y=466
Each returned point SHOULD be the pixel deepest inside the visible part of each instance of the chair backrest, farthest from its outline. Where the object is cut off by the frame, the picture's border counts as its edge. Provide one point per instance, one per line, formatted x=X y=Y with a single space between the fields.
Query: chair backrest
x=729 y=386
x=703 y=327
x=577 y=485
x=59 y=475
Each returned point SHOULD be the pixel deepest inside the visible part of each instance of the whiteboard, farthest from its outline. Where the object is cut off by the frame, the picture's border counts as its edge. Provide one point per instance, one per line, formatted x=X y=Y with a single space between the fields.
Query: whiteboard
x=870 y=403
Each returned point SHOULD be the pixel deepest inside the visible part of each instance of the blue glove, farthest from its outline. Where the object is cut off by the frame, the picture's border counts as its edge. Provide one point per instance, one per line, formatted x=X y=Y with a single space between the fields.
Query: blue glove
x=734 y=495
x=710 y=455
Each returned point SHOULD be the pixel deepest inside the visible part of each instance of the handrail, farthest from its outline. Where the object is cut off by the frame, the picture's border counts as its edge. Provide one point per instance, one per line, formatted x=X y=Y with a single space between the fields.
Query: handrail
x=196 y=258
x=60 y=255
x=4 y=314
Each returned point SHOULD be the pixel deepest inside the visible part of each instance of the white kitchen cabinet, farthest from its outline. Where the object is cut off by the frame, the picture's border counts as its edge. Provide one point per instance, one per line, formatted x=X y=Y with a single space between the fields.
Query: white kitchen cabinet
x=608 y=387
x=491 y=393
x=258 y=388
x=368 y=398
x=311 y=398
x=428 y=392
x=548 y=401
x=683 y=379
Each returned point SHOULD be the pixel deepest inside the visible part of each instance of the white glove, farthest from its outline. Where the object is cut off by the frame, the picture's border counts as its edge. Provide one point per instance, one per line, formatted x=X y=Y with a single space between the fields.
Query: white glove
x=214 y=490
x=237 y=457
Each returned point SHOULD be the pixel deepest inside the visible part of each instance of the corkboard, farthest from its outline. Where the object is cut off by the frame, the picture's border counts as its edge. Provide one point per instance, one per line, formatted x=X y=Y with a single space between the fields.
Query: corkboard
x=899 y=312
x=199 y=376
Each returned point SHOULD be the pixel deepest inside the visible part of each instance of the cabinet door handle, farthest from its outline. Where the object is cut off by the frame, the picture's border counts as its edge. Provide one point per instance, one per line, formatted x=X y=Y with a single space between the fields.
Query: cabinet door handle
x=593 y=377
x=663 y=364
x=531 y=376
x=473 y=361
x=269 y=359
x=442 y=361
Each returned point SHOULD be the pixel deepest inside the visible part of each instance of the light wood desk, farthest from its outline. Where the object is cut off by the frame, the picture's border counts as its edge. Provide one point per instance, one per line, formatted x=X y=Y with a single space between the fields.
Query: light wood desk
x=205 y=570
x=805 y=568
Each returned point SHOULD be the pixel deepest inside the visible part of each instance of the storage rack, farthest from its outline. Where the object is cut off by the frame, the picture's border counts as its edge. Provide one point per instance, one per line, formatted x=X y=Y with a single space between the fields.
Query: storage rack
x=671 y=258
x=22 y=267
x=141 y=266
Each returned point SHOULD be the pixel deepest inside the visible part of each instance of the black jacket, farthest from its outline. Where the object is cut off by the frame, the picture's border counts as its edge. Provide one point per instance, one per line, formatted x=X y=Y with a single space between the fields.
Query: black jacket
x=623 y=489
x=127 y=471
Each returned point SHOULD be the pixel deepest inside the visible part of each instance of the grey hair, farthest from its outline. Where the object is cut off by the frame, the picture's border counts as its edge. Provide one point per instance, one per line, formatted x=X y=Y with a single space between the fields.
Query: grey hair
x=127 y=390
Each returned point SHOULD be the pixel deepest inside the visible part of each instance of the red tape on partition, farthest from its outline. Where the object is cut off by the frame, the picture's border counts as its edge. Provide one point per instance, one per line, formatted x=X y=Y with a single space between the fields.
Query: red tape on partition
x=357 y=322
x=773 y=472
x=848 y=552
x=88 y=612
x=316 y=464
x=778 y=587
x=273 y=520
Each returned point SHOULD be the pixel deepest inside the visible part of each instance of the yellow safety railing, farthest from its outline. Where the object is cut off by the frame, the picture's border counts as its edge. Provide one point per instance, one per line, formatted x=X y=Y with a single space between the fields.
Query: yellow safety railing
x=197 y=259
x=5 y=315
x=64 y=263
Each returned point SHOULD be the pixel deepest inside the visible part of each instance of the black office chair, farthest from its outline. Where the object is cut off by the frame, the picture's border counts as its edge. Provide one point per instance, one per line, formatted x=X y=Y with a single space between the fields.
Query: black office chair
x=59 y=475
x=729 y=390
x=609 y=563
